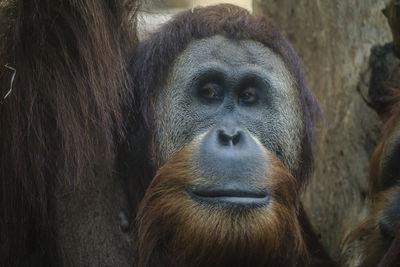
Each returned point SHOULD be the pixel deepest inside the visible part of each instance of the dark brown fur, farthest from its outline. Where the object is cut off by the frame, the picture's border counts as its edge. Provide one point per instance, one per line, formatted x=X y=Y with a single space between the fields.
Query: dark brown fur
x=59 y=121
x=392 y=255
x=366 y=239
x=391 y=117
x=366 y=242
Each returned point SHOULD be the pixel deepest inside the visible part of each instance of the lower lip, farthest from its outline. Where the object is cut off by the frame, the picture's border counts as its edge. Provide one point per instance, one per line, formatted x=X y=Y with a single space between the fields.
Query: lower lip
x=238 y=198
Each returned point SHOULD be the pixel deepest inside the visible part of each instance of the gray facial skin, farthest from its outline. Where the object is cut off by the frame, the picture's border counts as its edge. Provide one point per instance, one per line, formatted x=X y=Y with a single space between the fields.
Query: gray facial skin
x=273 y=114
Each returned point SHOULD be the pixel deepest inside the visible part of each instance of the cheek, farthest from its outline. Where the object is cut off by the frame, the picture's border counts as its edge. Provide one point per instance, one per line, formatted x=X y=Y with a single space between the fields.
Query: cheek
x=280 y=131
x=176 y=125
x=179 y=119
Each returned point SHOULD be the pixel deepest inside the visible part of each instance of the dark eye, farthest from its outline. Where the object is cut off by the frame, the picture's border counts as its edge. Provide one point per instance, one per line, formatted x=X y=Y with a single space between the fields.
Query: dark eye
x=248 y=95
x=211 y=91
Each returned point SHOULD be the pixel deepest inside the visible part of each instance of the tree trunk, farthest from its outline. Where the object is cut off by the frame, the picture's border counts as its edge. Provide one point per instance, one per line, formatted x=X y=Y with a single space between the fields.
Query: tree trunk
x=334 y=40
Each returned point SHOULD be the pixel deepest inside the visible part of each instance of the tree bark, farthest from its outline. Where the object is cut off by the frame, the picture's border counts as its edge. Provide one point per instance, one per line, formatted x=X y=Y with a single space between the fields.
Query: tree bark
x=334 y=40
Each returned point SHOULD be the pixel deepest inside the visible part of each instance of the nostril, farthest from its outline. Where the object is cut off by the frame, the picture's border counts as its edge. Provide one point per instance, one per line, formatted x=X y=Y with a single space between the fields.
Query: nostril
x=226 y=139
x=236 y=138
x=223 y=138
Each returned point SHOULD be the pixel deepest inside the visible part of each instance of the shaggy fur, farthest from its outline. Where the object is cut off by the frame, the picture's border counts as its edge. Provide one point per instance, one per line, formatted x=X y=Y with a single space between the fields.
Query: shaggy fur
x=365 y=246
x=70 y=59
x=392 y=117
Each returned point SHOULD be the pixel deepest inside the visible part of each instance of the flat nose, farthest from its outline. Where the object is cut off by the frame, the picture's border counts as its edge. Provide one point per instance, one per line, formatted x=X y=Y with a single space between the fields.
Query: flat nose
x=232 y=137
x=228 y=141
x=230 y=153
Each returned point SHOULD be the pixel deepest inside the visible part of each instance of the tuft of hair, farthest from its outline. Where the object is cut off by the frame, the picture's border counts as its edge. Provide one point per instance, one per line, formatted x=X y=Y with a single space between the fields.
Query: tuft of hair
x=60 y=120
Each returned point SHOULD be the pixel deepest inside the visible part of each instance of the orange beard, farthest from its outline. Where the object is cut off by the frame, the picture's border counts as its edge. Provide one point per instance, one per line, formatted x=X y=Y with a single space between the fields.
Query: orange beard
x=175 y=230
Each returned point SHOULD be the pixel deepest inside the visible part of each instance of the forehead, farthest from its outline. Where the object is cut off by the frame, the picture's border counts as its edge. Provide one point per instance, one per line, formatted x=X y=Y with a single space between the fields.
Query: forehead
x=235 y=54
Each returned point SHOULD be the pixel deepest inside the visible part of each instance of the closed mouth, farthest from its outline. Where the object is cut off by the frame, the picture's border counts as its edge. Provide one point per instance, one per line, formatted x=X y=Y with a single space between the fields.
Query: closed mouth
x=231 y=196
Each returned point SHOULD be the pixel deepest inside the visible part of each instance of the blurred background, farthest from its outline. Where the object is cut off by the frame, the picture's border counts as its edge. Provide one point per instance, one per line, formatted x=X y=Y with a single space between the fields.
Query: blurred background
x=154 y=13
